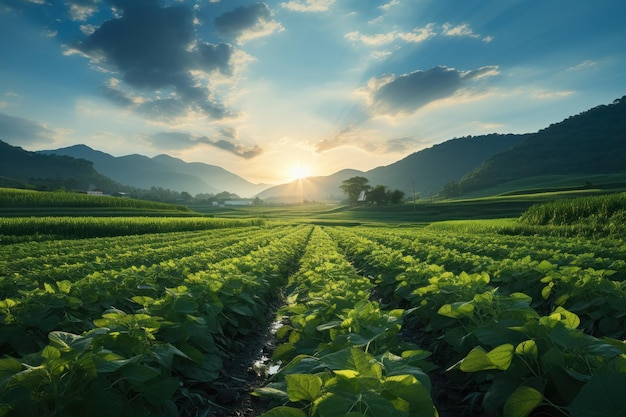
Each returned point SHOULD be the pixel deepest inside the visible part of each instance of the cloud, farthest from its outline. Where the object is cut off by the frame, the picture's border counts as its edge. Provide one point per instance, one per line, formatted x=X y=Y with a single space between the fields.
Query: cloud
x=417 y=35
x=81 y=10
x=20 y=131
x=239 y=150
x=152 y=48
x=176 y=141
x=389 y=5
x=404 y=94
x=308 y=5
x=462 y=30
x=368 y=141
x=246 y=23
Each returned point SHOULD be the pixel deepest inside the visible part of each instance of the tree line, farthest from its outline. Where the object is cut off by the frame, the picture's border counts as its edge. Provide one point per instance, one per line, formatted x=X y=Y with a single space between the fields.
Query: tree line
x=358 y=190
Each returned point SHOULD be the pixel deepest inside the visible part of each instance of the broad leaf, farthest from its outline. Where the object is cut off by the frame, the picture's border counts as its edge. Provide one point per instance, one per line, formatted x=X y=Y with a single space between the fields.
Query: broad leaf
x=303 y=387
x=479 y=360
x=522 y=402
x=284 y=412
x=602 y=396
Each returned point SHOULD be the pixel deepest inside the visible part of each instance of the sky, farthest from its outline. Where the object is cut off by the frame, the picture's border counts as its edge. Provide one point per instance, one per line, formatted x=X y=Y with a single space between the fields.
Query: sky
x=276 y=90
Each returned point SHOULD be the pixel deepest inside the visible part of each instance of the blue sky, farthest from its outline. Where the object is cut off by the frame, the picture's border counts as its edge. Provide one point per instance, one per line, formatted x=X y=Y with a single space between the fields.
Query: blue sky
x=276 y=89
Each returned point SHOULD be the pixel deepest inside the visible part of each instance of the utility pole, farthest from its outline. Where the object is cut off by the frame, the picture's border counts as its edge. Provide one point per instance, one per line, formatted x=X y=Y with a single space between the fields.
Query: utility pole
x=414 y=206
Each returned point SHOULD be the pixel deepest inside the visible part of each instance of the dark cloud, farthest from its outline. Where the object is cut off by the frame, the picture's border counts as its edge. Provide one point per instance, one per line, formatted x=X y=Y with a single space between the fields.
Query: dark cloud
x=394 y=95
x=229 y=132
x=153 y=48
x=239 y=150
x=19 y=131
x=246 y=23
x=179 y=141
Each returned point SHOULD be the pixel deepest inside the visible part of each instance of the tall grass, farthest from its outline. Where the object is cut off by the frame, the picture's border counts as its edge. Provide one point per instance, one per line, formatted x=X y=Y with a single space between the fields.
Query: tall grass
x=570 y=211
x=82 y=227
x=15 y=198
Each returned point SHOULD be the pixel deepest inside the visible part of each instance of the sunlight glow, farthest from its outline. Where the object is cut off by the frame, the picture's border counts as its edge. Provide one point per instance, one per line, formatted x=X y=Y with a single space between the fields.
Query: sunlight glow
x=298 y=172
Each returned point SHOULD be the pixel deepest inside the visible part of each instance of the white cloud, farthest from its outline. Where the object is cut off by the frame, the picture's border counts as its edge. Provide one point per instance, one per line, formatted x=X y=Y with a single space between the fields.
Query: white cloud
x=308 y=5
x=462 y=30
x=583 y=65
x=389 y=5
x=417 y=35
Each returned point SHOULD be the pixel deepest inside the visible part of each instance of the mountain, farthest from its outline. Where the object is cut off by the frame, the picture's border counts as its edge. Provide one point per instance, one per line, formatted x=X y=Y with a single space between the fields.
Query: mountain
x=430 y=169
x=592 y=142
x=425 y=171
x=20 y=168
x=163 y=171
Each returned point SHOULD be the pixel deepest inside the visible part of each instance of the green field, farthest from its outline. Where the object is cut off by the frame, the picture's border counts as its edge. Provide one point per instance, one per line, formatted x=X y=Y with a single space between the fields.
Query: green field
x=366 y=311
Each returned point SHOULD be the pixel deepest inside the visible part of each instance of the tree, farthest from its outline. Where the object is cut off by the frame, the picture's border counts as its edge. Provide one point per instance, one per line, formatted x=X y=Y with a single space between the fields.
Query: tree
x=395 y=196
x=353 y=187
x=377 y=195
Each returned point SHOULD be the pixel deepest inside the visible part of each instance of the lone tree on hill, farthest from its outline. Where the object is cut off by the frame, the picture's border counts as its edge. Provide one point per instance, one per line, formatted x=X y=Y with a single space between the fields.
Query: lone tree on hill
x=353 y=187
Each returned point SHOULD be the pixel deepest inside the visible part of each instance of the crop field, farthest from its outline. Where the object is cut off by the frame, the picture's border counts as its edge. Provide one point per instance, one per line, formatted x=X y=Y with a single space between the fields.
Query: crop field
x=367 y=321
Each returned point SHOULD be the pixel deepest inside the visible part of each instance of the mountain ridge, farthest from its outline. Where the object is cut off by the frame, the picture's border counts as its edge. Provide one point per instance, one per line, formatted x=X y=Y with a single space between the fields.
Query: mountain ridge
x=162 y=171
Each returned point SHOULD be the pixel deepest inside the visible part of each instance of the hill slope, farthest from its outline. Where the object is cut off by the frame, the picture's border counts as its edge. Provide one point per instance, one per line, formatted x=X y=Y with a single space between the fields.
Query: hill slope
x=162 y=171
x=427 y=170
x=592 y=142
x=19 y=168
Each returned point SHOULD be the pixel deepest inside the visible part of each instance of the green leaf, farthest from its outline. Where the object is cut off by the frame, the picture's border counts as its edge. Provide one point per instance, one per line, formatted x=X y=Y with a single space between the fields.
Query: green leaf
x=137 y=373
x=158 y=391
x=271 y=392
x=602 y=396
x=334 y=405
x=545 y=266
x=303 y=387
x=284 y=412
x=50 y=352
x=501 y=356
x=353 y=359
x=568 y=318
x=522 y=402
x=409 y=389
x=528 y=348
x=458 y=309
x=479 y=360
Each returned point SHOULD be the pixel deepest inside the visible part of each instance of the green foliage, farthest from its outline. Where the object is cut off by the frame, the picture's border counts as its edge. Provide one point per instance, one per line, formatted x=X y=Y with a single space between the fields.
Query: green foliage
x=535 y=324
x=353 y=187
x=599 y=213
x=588 y=143
x=82 y=227
x=15 y=198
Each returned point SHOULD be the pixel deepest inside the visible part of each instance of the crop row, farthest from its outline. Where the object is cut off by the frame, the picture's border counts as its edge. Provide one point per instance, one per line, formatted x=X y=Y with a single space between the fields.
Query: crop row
x=508 y=326
x=81 y=257
x=341 y=355
x=131 y=341
x=84 y=227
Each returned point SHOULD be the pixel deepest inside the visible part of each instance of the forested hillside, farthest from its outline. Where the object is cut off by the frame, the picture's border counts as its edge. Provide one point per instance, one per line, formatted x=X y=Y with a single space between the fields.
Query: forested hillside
x=21 y=168
x=593 y=142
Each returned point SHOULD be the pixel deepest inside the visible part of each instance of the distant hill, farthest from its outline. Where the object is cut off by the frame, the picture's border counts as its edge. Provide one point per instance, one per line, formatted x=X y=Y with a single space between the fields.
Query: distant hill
x=21 y=168
x=323 y=188
x=592 y=143
x=163 y=171
x=427 y=170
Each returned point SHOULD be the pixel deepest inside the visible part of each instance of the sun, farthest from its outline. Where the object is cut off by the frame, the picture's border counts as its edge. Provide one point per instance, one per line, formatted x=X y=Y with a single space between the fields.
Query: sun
x=298 y=172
